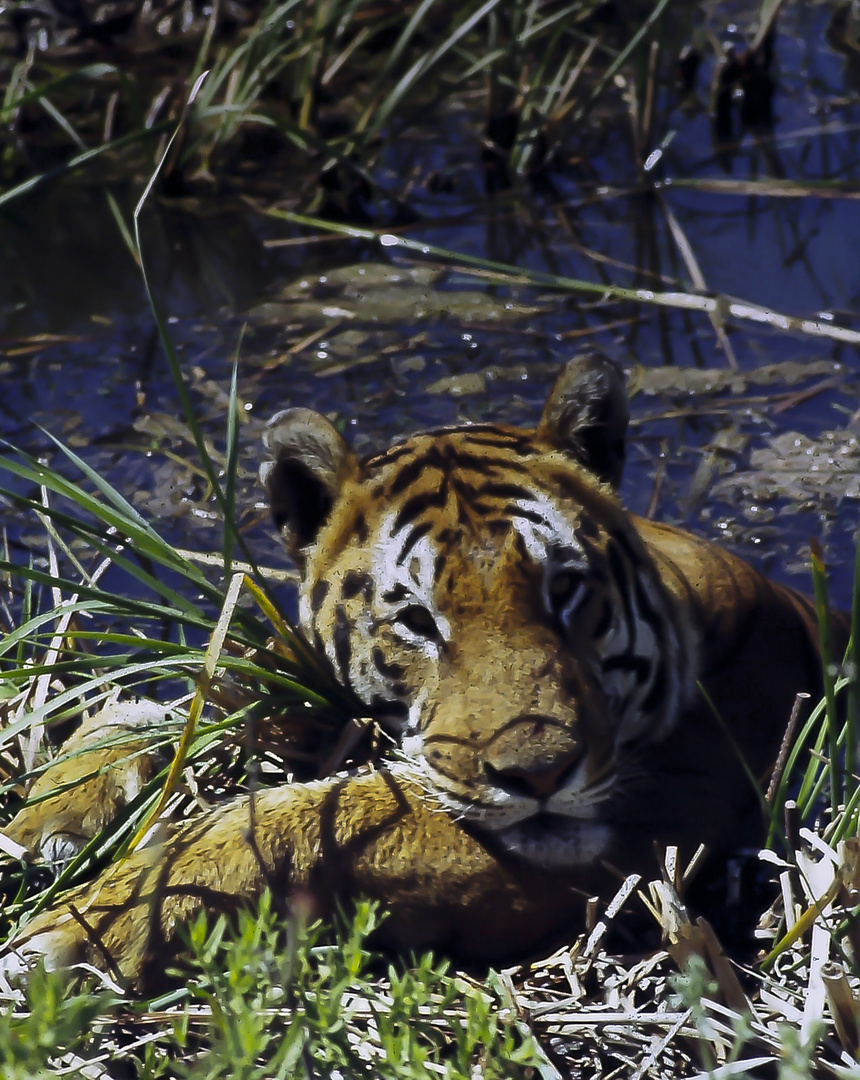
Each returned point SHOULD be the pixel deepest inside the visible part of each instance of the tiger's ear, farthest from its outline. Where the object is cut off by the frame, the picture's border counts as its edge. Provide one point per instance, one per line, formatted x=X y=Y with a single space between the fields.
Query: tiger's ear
x=309 y=460
x=587 y=413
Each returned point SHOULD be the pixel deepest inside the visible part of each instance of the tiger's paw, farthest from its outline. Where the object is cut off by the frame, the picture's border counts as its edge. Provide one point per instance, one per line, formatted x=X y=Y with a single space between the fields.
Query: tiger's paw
x=103 y=766
x=19 y=961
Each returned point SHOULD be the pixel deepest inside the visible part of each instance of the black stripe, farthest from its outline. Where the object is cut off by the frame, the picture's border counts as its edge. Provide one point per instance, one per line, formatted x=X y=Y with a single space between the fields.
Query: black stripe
x=360 y=529
x=387 y=457
x=487 y=464
x=605 y=620
x=415 y=506
x=570 y=486
x=417 y=533
x=647 y=611
x=593 y=553
x=342 y=638
x=653 y=617
x=618 y=570
x=395 y=595
x=507 y=491
x=640 y=665
x=466 y=490
x=427 y=718
x=448 y=457
x=624 y=543
x=355 y=582
x=483 y=435
x=379 y=704
x=507 y=463
x=658 y=689
x=390 y=671
x=481 y=465
x=478 y=433
x=493 y=436
x=318 y=593
x=529 y=515
x=409 y=474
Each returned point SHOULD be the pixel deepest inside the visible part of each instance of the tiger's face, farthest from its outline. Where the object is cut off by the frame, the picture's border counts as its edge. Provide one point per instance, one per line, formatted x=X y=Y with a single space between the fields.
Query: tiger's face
x=482 y=591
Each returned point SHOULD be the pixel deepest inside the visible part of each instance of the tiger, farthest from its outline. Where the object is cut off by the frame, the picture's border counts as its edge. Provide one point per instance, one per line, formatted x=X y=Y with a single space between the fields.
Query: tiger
x=571 y=689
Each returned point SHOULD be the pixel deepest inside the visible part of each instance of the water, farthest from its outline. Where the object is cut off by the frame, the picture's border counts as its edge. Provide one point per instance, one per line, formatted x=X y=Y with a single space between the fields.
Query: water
x=103 y=384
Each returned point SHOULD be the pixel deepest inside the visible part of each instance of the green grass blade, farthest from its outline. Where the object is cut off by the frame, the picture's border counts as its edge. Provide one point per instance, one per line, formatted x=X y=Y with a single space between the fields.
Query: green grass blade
x=230 y=468
x=506 y=273
x=85 y=158
x=173 y=361
x=822 y=613
x=613 y=69
x=424 y=65
x=139 y=543
x=852 y=664
x=53 y=86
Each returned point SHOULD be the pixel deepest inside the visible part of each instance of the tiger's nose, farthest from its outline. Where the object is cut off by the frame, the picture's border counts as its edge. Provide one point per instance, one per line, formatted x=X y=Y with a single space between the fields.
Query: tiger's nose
x=538 y=781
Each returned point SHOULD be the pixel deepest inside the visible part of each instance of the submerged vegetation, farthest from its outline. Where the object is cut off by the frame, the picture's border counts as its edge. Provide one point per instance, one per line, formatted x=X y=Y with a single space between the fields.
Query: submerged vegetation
x=97 y=602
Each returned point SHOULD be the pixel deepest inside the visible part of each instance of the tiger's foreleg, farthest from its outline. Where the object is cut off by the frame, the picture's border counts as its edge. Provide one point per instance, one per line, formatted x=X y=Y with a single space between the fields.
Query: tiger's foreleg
x=328 y=842
x=102 y=767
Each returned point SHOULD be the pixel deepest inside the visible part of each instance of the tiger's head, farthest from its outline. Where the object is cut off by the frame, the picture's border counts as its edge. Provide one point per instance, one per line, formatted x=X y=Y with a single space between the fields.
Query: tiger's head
x=481 y=589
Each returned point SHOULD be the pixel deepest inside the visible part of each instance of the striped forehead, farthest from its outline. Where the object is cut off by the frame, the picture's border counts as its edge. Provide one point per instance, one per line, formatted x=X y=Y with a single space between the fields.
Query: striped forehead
x=471 y=488
x=459 y=477
x=481 y=467
x=461 y=459
x=479 y=444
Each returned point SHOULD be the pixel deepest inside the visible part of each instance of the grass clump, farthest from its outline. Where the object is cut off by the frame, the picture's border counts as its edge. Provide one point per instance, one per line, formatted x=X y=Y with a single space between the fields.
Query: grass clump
x=257 y=1003
x=329 y=84
x=102 y=607
x=48 y=1030
x=318 y=1000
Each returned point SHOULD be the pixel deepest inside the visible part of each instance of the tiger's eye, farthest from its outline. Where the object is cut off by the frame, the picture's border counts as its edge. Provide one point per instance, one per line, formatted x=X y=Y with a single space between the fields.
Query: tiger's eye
x=567 y=589
x=419 y=620
x=564 y=585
